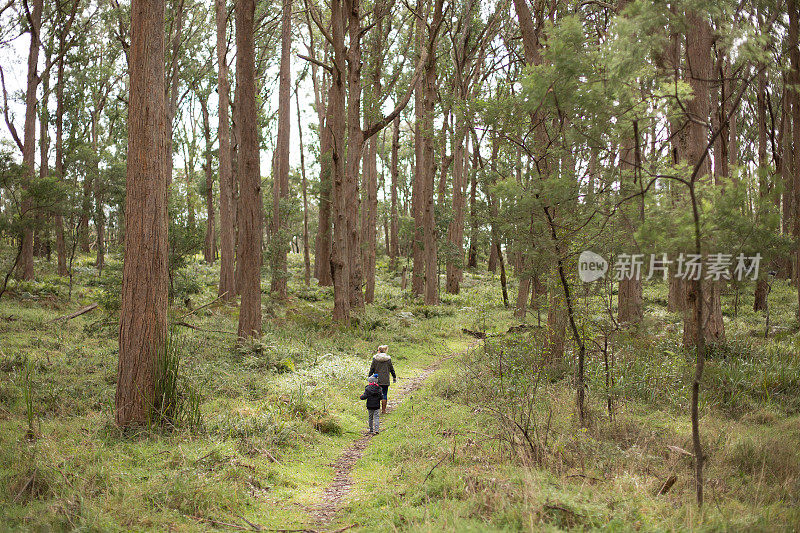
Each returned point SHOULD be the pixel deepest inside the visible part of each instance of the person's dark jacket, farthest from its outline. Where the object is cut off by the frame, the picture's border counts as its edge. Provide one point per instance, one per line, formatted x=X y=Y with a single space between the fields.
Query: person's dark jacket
x=373 y=395
x=382 y=365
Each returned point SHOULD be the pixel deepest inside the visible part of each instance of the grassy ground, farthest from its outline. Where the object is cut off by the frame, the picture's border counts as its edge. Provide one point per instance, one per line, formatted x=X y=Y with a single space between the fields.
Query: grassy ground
x=276 y=413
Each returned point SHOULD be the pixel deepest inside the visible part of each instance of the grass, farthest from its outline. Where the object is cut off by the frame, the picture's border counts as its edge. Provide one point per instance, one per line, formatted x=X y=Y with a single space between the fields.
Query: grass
x=276 y=413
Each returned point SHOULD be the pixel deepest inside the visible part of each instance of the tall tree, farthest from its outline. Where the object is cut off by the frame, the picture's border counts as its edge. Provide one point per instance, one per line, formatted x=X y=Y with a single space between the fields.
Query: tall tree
x=306 y=255
x=250 y=201
x=143 y=315
x=227 y=236
x=210 y=243
x=427 y=169
x=280 y=179
x=25 y=267
x=699 y=41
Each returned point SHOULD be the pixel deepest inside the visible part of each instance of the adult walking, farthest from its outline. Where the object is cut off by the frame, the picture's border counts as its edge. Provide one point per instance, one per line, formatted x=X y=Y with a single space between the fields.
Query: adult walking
x=382 y=365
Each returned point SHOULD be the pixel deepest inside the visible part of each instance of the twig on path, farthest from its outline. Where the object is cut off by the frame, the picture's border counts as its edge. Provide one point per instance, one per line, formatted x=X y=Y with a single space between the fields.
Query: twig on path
x=79 y=312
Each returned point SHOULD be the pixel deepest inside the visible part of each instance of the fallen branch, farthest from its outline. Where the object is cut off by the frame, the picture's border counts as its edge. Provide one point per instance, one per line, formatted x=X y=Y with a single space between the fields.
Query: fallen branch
x=476 y=334
x=434 y=467
x=79 y=312
x=193 y=311
x=196 y=328
x=667 y=485
x=215 y=522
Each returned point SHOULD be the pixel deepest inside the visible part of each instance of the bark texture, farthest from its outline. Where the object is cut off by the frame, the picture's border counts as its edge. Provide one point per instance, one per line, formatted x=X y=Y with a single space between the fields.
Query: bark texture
x=143 y=315
x=251 y=207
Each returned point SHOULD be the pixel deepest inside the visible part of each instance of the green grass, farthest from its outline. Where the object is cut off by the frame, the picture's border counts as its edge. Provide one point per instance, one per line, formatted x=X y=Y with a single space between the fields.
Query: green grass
x=276 y=413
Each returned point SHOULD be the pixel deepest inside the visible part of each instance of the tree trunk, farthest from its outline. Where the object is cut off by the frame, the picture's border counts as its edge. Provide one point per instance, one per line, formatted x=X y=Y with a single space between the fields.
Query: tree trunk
x=210 y=247
x=227 y=234
x=630 y=288
x=472 y=259
x=372 y=111
x=252 y=211
x=340 y=271
x=306 y=256
x=280 y=189
x=794 y=78
x=172 y=85
x=698 y=55
x=418 y=185
x=355 y=143
x=394 y=248
x=25 y=265
x=455 y=231
x=322 y=251
x=143 y=315
x=369 y=218
x=41 y=244
x=99 y=214
x=760 y=294
x=429 y=164
x=61 y=247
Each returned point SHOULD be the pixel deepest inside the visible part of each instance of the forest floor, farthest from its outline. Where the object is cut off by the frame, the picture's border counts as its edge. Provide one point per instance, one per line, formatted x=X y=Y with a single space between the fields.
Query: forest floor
x=274 y=437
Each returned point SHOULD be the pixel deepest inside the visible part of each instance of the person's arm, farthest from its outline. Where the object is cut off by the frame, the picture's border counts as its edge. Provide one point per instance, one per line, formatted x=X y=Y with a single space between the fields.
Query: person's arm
x=364 y=396
x=391 y=369
x=371 y=368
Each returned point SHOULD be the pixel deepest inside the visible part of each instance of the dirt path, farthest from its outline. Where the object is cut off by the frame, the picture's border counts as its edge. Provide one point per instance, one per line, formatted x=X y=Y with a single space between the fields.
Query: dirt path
x=336 y=493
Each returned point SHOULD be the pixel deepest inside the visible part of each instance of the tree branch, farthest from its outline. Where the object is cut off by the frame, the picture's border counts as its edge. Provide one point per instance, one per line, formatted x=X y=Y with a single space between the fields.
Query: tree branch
x=382 y=123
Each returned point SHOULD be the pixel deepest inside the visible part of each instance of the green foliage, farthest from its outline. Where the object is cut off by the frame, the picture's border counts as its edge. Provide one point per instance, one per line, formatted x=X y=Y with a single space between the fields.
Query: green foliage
x=177 y=400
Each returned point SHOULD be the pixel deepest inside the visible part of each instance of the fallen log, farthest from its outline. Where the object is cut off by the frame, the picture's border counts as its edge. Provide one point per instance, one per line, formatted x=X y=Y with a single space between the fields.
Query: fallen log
x=79 y=312
x=476 y=334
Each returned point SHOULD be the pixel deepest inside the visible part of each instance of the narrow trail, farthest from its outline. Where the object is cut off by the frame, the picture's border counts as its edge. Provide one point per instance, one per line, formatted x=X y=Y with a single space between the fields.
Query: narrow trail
x=334 y=496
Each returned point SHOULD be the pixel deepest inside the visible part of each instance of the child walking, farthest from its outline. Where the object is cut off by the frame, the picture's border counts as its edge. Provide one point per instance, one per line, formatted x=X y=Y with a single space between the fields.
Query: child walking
x=373 y=395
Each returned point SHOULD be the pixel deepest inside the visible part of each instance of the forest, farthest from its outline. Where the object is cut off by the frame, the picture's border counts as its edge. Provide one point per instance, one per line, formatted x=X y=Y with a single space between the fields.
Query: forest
x=554 y=244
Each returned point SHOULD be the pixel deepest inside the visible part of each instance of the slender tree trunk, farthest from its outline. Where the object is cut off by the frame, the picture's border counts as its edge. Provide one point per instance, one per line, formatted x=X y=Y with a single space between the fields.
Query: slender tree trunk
x=99 y=214
x=25 y=264
x=794 y=78
x=61 y=248
x=630 y=289
x=394 y=249
x=369 y=219
x=418 y=186
x=41 y=244
x=172 y=85
x=340 y=271
x=210 y=248
x=227 y=213
x=143 y=315
x=280 y=191
x=472 y=259
x=429 y=164
x=322 y=251
x=252 y=211
x=760 y=295
x=455 y=231
x=306 y=256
